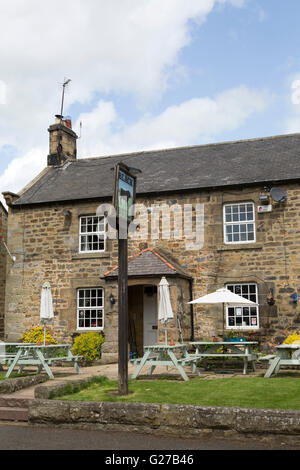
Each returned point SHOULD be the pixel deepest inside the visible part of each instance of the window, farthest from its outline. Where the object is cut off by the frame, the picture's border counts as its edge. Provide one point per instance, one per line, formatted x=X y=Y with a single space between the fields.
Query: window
x=91 y=234
x=90 y=314
x=239 y=223
x=243 y=316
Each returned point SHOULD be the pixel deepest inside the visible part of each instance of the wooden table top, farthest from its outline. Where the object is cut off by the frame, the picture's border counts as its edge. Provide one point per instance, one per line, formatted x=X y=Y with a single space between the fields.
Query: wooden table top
x=228 y=343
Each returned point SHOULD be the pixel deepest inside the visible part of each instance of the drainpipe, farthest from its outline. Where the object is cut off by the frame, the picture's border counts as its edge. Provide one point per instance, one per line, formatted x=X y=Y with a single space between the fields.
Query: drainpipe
x=191 y=309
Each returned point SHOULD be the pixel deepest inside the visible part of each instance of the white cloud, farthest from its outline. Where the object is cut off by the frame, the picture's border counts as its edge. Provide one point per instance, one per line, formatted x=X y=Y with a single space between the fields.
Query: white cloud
x=293 y=125
x=119 y=45
x=295 y=96
x=22 y=170
x=193 y=122
x=2 y=92
x=196 y=121
x=293 y=120
x=129 y=46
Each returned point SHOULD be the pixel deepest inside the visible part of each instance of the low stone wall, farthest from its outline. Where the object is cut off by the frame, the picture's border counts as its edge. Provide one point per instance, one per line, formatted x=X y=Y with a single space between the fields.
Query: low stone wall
x=51 y=390
x=12 y=385
x=176 y=420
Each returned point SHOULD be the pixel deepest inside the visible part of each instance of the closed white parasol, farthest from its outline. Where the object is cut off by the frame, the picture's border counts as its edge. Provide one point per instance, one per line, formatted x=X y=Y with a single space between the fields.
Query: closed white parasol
x=165 y=312
x=46 y=310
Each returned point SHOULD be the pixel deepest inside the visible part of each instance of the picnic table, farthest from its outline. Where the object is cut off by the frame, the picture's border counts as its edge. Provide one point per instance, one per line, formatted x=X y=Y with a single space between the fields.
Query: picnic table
x=41 y=356
x=230 y=349
x=8 y=353
x=161 y=355
x=286 y=355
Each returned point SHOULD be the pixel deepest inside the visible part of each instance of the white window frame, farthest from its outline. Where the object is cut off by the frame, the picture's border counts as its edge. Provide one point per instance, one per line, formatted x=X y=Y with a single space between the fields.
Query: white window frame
x=242 y=306
x=89 y=307
x=239 y=222
x=85 y=234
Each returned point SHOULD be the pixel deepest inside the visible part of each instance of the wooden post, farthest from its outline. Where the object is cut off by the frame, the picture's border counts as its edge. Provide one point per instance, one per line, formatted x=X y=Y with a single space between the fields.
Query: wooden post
x=123 y=315
x=123 y=200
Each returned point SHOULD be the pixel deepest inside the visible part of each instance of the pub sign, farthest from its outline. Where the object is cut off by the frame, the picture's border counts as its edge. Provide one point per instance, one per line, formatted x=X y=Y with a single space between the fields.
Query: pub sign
x=124 y=193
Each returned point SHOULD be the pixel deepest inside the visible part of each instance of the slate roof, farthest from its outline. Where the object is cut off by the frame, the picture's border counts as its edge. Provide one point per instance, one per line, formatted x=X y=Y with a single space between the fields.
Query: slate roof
x=271 y=159
x=149 y=262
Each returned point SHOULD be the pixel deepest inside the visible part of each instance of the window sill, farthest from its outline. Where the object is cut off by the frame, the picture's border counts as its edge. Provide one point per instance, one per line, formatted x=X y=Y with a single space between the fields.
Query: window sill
x=101 y=328
x=245 y=246
x=242 y=329
x=91 y=255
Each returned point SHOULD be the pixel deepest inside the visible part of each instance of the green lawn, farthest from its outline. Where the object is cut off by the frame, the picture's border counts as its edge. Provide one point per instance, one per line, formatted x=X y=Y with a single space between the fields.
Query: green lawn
x=252 y=392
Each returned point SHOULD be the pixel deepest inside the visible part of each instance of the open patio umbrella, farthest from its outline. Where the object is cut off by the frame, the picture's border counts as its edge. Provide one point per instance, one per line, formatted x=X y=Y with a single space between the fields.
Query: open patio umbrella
x=225 y=297
x=165 y=312
x=46 y=310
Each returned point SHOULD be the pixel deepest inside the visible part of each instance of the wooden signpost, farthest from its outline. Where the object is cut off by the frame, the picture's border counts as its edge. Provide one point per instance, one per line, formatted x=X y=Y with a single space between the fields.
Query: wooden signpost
x=124 y=198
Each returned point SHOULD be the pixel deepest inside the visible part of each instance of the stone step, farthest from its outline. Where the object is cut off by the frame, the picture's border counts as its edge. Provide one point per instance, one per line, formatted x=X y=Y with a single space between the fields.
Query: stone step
x=7 y=402
x=13 y=414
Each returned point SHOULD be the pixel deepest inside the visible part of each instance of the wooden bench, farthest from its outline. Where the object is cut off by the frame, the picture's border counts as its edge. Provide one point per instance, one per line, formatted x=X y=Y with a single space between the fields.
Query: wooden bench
x=52 y=360
x=225 y=355
x=6 y=359
x=269 y=357
x=192 y=359
x=42 y=356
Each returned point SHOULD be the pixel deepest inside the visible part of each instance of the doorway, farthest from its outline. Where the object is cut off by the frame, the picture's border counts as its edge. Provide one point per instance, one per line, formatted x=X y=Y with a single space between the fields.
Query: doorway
x=150 y=315
x=142 y=317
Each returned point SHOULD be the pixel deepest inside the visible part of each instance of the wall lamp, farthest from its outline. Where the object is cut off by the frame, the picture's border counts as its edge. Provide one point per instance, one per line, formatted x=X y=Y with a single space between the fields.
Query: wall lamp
x=68 y=218
x=66 y=213
x=112 y=299
x=270 y=298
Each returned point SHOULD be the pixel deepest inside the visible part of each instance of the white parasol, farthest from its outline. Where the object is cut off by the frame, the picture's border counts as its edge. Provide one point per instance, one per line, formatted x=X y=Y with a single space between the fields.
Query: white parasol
x=225 y=297
x=165 y=312
x=46 y=310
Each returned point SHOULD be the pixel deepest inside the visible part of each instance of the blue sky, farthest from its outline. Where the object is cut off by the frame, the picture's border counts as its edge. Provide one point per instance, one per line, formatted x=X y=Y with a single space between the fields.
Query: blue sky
x=145 y=74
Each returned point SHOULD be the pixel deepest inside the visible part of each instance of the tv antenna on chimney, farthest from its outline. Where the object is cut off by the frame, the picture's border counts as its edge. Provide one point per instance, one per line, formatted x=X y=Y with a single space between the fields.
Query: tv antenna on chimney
x=66 y=82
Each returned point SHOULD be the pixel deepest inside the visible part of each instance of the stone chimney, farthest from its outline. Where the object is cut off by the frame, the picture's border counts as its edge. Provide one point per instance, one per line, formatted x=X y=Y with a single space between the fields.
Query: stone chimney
x=62 y=144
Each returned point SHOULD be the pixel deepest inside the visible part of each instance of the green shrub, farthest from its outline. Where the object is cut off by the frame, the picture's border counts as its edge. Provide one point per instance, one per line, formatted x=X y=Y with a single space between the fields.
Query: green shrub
x=88 y=345
x=36 y=335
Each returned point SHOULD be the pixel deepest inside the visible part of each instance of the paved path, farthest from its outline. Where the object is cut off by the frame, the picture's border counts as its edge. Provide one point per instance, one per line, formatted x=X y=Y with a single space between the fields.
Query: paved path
x=68 y=373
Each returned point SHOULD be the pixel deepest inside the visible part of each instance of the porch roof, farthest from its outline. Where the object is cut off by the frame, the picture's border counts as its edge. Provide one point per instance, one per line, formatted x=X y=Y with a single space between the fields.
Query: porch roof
x=150 y=263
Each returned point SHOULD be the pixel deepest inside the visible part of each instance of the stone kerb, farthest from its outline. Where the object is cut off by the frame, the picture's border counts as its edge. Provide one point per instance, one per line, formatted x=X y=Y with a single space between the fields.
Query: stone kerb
x=180 y=420
x=18 y=383
x=53 y=389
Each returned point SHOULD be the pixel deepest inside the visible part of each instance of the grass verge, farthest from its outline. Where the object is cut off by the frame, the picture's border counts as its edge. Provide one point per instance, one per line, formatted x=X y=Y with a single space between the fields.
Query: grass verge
x=248 y=392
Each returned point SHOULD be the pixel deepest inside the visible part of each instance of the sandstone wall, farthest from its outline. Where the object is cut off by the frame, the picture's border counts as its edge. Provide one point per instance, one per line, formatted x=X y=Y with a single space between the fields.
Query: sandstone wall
x=3 y=260
x=46 y=246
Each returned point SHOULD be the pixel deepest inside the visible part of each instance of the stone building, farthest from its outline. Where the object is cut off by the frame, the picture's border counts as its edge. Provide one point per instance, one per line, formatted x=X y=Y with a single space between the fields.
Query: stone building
x=235 y=234
x=3 y=258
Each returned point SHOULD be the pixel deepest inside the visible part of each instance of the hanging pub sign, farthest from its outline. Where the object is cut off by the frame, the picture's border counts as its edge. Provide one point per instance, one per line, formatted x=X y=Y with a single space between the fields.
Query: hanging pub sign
x=124 y=193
